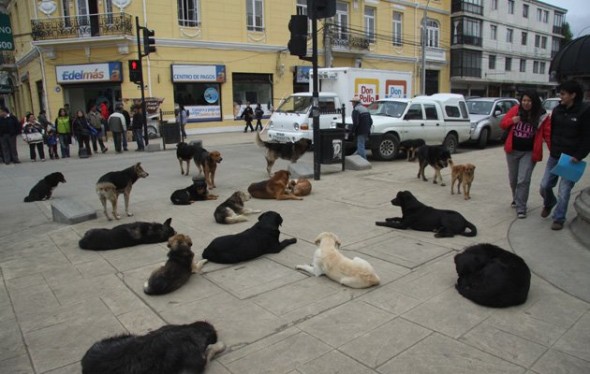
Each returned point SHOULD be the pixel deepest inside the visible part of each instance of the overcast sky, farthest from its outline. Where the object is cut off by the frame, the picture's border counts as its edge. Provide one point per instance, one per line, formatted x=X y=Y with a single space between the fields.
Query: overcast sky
x=578 y=14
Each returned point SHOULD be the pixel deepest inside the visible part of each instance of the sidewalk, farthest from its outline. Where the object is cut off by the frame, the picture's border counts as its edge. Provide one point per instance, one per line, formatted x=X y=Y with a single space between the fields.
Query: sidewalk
x=57 y=300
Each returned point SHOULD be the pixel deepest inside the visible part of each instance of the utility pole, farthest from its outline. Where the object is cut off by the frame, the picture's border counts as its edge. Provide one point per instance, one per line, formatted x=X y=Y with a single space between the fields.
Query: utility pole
x=146 y=137
x=424 y=40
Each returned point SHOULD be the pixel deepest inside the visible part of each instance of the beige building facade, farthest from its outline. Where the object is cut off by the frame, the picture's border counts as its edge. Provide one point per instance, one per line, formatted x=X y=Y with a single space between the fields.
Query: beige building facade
x=211 y=57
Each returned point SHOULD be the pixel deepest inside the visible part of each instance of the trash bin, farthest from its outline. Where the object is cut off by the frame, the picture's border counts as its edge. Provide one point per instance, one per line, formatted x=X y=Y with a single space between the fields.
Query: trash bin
x=332 y=146
x=170 y=132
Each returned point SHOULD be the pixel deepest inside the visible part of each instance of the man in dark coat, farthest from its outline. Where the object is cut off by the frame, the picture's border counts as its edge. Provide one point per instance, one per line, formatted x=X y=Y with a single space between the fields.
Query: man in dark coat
x=10 y=127
x=361 y=125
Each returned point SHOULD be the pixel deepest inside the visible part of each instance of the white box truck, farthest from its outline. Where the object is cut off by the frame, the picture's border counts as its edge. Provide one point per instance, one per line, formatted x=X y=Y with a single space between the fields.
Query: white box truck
x=292 y=120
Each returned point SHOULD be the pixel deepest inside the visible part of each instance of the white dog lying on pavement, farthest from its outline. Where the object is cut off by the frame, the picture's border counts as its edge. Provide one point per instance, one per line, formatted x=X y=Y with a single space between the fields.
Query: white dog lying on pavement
x=327 y=259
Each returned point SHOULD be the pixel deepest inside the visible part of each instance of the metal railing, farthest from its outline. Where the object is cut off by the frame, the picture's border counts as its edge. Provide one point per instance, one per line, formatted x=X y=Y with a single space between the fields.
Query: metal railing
x=467 y=39
x=347 y=41
x=82 y=26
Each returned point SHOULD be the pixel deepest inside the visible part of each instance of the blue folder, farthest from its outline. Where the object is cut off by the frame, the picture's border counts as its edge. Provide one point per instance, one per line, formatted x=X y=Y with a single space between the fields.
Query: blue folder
x=569 y=170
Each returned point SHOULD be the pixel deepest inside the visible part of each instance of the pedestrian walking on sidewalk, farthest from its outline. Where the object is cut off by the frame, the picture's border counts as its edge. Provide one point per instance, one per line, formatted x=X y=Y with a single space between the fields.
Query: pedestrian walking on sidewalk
x=248 y=115
x=570 y=135
x=137 y=126
x=527 y=125
x=258 y=113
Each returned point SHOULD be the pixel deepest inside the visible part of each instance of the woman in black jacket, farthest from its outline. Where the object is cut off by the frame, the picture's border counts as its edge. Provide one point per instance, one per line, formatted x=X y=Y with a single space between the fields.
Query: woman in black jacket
x=81 y=129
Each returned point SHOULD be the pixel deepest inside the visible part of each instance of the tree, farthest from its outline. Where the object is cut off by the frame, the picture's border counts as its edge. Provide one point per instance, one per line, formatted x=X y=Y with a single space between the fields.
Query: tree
x=567 y=33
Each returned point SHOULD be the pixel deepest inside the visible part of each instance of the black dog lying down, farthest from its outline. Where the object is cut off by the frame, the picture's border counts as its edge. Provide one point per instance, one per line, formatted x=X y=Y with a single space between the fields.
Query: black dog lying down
x=44 y=188
x=492 y=276
x=172 y=349
x=417 y=216
x=196 y=192
x=127 y=235
x=258 y=240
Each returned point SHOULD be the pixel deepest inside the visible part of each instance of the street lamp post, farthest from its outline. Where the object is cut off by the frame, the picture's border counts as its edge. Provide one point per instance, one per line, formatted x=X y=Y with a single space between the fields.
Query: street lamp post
x=424 y=40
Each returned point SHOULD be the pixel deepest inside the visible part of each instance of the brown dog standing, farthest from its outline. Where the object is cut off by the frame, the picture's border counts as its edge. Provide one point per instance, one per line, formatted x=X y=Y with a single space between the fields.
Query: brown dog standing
x=207 y=164
x=463 y=174
x=273 y=188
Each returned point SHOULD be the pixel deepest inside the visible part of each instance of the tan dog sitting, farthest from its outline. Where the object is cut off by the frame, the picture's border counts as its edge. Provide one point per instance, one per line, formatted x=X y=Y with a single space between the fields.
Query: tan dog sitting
x=300 y=187
x=463 y=174
x=327 y=259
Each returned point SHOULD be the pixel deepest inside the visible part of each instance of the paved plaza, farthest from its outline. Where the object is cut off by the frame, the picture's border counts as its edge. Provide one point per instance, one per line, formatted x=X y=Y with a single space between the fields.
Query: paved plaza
x=56 y=300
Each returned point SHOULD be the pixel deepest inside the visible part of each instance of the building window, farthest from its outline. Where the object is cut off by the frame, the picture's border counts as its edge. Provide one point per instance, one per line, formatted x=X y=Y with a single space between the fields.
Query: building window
x=370 y=23
x=494 y=4
x=525 y=10
x=543 y=42
x=523 y=39
x=558 y=20
x=468 y=6
x=341 y=20
x=493 y=32
x=510 y=6
x=509 y=33
x=542 y=68
x=537 y=41
x=536 y=67
x=251 y=88
x=508 y=64
x=254 y=15
x=188 y=13
x=545 y=16
x=467 y=31
x=301 y=8
x=522 y=65
x=465 y=63
x=433 y=33
x=539 y=14
x=397 y=28
x=492 y=62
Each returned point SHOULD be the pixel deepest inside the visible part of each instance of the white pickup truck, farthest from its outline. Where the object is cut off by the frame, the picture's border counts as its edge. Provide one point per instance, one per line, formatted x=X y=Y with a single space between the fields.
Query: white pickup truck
x=438 y=119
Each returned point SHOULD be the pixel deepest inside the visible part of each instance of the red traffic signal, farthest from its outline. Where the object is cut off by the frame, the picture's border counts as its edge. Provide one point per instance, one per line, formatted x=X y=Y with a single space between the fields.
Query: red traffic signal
x=135 y=72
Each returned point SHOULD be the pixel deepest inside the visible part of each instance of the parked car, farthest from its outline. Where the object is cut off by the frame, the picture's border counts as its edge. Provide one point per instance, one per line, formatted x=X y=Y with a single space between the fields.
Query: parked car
x=550 y=103
x=486 y=113
x=438 y=119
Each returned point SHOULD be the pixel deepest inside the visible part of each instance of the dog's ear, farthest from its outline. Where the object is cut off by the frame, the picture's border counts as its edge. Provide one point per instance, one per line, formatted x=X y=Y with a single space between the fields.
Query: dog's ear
x=337 y=240
x=168 y=222
x=319 y=238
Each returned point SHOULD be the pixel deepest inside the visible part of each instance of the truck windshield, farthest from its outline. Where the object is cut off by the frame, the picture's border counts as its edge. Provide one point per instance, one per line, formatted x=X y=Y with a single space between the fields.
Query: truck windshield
x=295 y=104
x=479 y=107
x=387 y=108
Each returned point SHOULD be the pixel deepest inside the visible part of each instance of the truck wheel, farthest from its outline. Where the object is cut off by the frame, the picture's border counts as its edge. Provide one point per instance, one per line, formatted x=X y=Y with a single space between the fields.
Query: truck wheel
x=483 y=138
x=451 y=143
x=387 y=149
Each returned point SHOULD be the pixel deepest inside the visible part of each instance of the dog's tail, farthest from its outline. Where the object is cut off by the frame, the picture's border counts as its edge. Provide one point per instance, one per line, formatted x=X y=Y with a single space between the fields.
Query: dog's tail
x=259 y=140
x=200 y=265
x=472 y=229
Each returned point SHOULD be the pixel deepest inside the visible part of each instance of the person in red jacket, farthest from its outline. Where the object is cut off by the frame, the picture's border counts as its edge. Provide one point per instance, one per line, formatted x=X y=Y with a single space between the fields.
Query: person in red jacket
x=528 y=126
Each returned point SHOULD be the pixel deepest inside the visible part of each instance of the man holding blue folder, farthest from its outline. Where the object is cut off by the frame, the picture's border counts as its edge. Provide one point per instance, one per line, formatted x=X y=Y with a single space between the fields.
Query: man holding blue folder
x=570 y=135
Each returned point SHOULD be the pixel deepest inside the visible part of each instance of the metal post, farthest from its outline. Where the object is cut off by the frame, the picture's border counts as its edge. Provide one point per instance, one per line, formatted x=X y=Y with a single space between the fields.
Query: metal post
x=146 y=137
x=315 y=101
x=424 y=40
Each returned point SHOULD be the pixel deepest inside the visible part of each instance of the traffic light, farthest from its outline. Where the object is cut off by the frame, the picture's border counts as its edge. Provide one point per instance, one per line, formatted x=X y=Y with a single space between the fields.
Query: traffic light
x=135 y=74
x=148 y=41
x=321 y=8
x=298 y=43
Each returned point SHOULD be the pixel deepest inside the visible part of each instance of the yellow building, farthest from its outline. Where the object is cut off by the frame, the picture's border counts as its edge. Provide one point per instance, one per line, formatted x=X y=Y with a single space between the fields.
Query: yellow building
x=211 y=56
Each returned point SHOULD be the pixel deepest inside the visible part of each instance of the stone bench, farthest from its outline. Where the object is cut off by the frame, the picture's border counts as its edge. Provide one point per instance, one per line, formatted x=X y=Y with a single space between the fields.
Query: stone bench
x=70 y=212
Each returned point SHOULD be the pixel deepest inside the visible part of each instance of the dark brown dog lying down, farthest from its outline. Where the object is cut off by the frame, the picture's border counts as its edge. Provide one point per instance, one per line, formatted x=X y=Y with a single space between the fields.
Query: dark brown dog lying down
x=273 y=188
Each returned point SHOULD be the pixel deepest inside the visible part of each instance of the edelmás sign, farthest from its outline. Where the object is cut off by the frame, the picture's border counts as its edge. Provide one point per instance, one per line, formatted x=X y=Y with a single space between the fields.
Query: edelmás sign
x=107 y=72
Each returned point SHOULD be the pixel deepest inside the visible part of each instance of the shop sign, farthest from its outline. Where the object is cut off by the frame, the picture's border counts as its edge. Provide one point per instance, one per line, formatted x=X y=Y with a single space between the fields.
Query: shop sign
x=302 y=74
x=198 y=73
x=152 y=104
x=6 y=39
x=107 y=72
x=204 y=112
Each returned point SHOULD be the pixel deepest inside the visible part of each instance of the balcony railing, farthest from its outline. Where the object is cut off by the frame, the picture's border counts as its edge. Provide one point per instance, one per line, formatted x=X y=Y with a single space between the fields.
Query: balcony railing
x=82 y=26
x=558 y=30
x=463 y=6
x=467 y=39
x=461 y=71
x=347 y=41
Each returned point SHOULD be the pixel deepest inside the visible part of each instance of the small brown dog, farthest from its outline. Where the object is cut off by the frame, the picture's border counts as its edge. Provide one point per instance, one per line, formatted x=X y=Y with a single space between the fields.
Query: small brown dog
x=463 y=174
x=273 y=188
x=299 y=187
x=207 y=164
